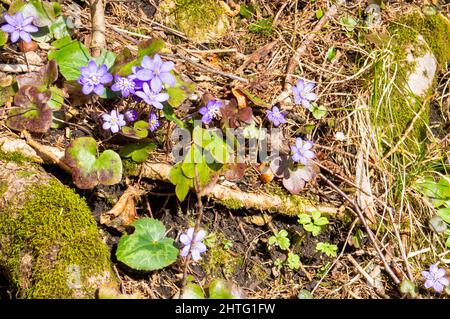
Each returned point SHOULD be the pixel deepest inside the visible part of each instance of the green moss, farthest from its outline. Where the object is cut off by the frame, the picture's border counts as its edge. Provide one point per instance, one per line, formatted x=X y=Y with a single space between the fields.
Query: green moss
x=201 y=20
x=130 y=168
x=393 y=107
x=55 y=231
x=231 y=203
x=16 y=157
x=220 y=262
x=3 y=187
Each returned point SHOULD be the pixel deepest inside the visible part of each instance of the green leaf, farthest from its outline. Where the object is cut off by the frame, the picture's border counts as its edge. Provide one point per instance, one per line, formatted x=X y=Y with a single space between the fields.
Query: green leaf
x=262 y=26
x=57 y=98
x=107 y=58
x=304 y=219
x=193 y=157
x=3 y=38
x=138 y=131
x=246 y=11
x=147 y=248
x=408 y=287
x=181 y=182
x=328 y=249
x=150 y=47
x=192 y=291
x=179 y=92
x=293 y=261
x=444 y=213
x=87 y=169
x=59 y=29
x=319 y=111
x=304 y=294
x=138 y=152
x=321 y=221
x=315 y=215
x=319 y=14
x=219 y=149
x=447 y=243
x=220 y=289
x=349 y=22
x=181 y=190
x=71 y=57
x=169 y=114
x=313 y=229
x=331 y=53
x=44 y=12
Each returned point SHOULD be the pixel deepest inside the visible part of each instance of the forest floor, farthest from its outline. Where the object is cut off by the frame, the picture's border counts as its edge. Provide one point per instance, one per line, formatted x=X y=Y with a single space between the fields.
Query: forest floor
x=341 y=61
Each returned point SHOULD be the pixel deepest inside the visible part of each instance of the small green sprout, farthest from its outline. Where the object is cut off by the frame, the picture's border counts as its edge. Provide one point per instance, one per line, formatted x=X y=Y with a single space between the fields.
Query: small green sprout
x=328 y=249
x=227 y=244
x=280 y=239
x=293 y=261
x=313 y=223
x=278 y=263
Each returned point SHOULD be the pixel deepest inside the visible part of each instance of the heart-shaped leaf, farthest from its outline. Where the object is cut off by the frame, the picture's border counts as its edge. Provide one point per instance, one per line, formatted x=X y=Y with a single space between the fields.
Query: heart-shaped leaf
x=179 y=92
x=147 y=248
x=220 y=289
x=33 y=113
x=44 y=12
x=138 y=152
x=87 y=169
x=192 y=291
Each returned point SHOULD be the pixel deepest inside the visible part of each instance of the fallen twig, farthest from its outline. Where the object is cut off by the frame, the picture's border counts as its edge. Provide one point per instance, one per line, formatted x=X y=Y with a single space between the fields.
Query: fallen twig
x=18 y=68
x=98 y=41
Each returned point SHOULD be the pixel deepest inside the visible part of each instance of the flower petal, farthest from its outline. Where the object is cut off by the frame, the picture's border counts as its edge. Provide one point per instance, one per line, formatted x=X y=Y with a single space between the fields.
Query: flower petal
x=306 y=104
x=162 y=97
x=200 y=247
x=156 y=84
x=157 y=105
x=106 y=78
x=92 y=66
x=25 y=36
x=8 y=28
x=200 y=235
x=114 y=128
x=15 y=36
x=106 y=125
x=27 y=21
x=87 y=88
x=300 y=85
x=30 y=28
x=185 y=251
x=190 y=232
x=168 y=78
x=167 y=66
x=309 y=154
x=311 y=96
x=99 y=89
x=195 y=255
x=10 y=20
x=309 y=87
x=185 y=239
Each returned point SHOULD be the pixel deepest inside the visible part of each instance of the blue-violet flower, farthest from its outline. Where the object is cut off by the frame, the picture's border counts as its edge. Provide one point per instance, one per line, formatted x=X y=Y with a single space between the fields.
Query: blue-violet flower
x=19 y=27
x=113 y=121
x=303 y=94
x=94 y=78
x=124 y=85
x=197 y=246
x=301 y=151
x=151 y=97
x=275 y=116
x=153 y=121
x=156 y=71
x=435 y=278
x=210 y=111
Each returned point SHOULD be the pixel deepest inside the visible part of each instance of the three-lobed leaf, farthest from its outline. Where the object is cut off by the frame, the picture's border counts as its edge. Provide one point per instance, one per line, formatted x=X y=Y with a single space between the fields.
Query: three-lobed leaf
x=88 y=170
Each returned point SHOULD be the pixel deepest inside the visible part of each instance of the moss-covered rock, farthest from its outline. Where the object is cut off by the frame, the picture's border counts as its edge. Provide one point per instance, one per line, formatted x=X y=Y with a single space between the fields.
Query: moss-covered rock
x=418 y=47
x=200 y=20
x=49 y=242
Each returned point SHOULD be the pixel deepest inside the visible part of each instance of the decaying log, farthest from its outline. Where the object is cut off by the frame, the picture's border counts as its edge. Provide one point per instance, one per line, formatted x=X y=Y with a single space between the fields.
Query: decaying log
x=234 y=198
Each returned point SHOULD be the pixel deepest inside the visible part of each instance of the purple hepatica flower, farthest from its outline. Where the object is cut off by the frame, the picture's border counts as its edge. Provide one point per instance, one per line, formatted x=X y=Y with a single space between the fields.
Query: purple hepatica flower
x=131 y=116
x=302 y=151
x=197 y=246
x=113 y=121
x=156 y=71
x=124 y=85
x=94 y=78
x=19 y=27
x=435 y=278
x=303 y=94
x=153 y=121
x=152 y=97
x=210 y=111
x=275 y=116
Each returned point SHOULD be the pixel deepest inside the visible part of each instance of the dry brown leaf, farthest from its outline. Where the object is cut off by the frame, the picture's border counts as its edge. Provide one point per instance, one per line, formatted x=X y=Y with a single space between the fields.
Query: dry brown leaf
x=364 y=190
x=124 y=212
x=240 y=97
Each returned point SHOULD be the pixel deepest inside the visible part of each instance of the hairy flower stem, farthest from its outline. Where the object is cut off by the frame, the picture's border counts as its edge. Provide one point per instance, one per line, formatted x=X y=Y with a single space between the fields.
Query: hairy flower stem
x=196 y=228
